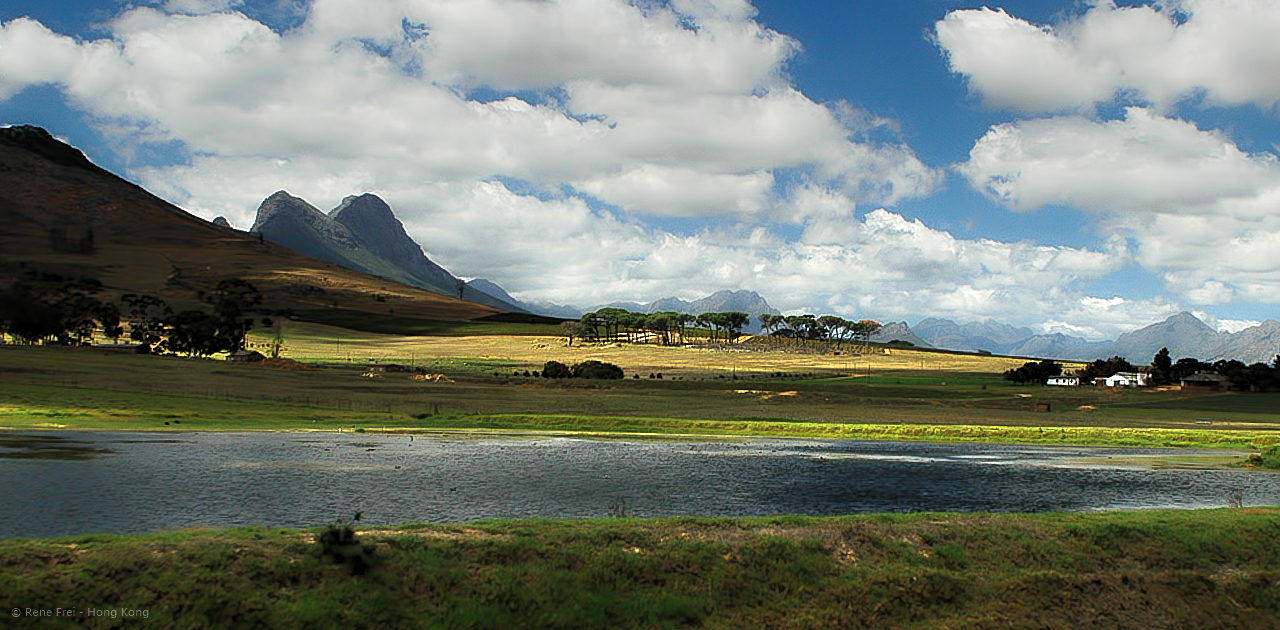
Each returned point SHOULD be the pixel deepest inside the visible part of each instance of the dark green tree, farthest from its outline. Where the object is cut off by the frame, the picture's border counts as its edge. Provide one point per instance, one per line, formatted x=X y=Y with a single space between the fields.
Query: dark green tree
x=1034 y=372
x=27 y=314
x=769 y=322
x=804 y=326
x=664 y=325
x=109 y=317
x=868 y=328
x=80 y=317
x=734 y=321
x=147 y=316
x=196 y=334
x=1187 y=366
x=1162 y=368
x=1103 y=369
x=46 y=307
x=234 y=301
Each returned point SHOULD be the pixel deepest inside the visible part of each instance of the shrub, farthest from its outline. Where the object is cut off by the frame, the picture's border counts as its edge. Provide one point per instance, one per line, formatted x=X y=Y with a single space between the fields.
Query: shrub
x=555 y=369
x=338 y=542
x=597 y=369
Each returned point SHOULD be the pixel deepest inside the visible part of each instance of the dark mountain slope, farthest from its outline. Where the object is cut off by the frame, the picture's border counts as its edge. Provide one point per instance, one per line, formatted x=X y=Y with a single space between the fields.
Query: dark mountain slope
x=63 y=214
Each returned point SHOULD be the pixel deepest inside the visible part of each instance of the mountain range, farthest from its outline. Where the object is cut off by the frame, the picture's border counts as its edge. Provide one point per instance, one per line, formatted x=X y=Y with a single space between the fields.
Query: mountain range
x=363 y=233
x=1184 y=334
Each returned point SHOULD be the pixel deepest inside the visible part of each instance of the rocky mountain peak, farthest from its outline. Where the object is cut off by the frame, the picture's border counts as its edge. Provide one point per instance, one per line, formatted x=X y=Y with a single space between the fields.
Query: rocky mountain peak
x=1188 y=320
x=491 y=289
x=373 y=223
x=743 y=300
x=282 y=215
x=281 y=203
x=376 y=227
x=364 y=207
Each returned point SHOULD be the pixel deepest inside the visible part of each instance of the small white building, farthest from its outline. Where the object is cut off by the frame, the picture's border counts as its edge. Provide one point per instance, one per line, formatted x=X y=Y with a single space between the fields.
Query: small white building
x=1063 y=381
x=1128 y=379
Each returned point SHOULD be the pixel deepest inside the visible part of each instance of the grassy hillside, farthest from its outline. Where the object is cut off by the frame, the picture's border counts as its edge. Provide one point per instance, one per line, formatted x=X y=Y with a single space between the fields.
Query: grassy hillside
x=1159 y=569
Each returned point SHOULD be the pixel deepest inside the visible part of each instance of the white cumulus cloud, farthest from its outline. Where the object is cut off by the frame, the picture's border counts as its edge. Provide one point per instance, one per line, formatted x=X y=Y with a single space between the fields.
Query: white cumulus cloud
x=1225 y=50
x=1204 y=214
x=541 y=144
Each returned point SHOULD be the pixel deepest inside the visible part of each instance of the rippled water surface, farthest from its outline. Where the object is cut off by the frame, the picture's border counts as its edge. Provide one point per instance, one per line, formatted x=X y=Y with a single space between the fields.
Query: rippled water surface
x=74 y=483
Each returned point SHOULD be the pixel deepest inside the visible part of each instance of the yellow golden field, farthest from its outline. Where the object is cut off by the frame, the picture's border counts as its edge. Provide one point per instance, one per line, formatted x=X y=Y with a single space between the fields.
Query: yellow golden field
x=315 y=343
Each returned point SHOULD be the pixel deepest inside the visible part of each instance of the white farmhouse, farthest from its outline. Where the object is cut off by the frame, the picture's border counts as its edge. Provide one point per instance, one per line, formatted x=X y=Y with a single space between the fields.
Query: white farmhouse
x=1063 y=381
x=1128 y=379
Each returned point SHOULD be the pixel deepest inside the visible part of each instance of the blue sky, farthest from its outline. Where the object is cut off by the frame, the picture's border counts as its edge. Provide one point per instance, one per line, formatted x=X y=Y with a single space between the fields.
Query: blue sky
x=1084 y=168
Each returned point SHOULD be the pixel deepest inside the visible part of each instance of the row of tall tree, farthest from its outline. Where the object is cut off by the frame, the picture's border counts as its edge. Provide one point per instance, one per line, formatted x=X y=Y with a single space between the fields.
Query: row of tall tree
x=1257 y=376
x=53 y=309
x=50 y=309
x=830 y=328
x=669 y=327
x=666 y=328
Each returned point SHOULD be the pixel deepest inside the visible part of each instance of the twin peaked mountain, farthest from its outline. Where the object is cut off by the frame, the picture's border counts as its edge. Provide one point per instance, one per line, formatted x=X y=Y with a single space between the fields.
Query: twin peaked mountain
x=362 y=233
x=61 y=214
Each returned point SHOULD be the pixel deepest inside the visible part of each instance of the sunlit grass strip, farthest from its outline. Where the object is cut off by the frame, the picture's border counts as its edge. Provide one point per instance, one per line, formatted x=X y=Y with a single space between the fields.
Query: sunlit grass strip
x=1081 y=436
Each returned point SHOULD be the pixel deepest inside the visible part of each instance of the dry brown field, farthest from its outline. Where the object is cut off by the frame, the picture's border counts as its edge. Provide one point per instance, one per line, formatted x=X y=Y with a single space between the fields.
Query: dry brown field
x=315 y=343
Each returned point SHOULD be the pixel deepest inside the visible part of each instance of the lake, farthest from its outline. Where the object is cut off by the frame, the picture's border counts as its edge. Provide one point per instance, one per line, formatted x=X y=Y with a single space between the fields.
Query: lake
x=68 y=483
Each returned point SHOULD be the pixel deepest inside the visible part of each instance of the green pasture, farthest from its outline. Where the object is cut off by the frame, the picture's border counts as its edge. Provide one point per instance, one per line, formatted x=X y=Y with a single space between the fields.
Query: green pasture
x=1154 y=569
x=87 y=389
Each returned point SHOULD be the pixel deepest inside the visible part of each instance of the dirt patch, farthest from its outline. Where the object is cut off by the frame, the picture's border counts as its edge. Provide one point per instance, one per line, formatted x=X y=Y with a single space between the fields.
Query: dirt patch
x=791 y=394
x=433 y=378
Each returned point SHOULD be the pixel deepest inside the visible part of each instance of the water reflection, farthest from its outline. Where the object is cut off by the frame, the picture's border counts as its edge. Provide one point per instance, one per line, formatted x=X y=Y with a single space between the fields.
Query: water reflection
x=135 y=482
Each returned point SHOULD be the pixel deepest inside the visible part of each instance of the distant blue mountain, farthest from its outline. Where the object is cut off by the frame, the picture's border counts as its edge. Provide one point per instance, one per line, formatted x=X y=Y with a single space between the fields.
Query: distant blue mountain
x=1183 y=334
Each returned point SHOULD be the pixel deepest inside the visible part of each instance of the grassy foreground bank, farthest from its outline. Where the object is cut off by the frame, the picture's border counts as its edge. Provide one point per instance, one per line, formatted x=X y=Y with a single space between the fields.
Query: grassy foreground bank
x=1158 y=569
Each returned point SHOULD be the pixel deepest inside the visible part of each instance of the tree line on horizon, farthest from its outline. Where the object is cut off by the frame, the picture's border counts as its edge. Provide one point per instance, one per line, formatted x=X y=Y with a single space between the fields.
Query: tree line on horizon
x=613 y=324
x=830 y=328
x=42 y=308
x=1163 y=369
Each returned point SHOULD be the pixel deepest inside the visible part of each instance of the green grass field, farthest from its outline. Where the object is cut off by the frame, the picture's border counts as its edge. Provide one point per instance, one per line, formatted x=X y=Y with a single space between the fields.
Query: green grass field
x=1158 y=569
x=74 y=388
